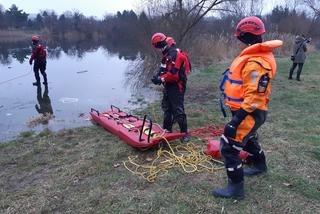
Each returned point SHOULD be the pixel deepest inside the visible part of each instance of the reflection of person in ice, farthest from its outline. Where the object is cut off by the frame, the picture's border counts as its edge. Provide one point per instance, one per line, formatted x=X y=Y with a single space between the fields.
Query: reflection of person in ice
x=44 y=106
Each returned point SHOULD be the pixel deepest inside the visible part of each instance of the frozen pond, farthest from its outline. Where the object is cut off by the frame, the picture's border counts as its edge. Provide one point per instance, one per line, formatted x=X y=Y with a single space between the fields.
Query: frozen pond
x=75 y=84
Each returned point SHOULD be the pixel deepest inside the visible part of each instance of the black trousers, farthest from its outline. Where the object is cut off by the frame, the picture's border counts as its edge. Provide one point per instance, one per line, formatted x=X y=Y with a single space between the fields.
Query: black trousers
x=42 y=67
x=230 y=149
x=173 y=108
x=293 y=67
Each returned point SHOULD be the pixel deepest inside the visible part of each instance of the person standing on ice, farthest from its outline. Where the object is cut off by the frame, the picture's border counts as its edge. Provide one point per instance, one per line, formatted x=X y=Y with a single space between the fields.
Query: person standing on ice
x=39 y=56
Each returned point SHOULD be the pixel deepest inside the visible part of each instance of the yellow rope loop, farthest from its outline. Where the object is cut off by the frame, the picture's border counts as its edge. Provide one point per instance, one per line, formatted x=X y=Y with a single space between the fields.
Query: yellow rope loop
x=188 y=156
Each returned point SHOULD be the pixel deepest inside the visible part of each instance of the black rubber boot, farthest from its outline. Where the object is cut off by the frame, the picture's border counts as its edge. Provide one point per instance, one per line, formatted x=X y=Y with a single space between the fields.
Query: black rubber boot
x=233 y=190
x=255 y=170
x=290 y=73
x=184 y=139
x=299 y=71
x=259 y=165
x=45 y=81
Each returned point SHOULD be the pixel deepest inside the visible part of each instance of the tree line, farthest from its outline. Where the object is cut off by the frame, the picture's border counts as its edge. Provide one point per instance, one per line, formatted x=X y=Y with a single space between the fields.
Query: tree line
x=185 y=20
x=204 y=28
x=20 y=50
x=284 y=19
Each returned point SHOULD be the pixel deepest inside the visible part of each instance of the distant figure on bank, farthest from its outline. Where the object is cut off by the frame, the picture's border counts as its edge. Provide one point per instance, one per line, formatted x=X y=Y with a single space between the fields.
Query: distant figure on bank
x=299 y=55
x=172 y=74
x=39 y=56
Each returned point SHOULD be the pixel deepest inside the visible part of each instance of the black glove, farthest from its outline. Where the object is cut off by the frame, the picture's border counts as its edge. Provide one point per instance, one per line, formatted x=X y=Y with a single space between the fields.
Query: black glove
x=156 y=80
x=230 y=129
x=162 y=70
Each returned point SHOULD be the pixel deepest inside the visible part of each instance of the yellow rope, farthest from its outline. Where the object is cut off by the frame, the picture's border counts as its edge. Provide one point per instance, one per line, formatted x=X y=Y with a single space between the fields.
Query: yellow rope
x=187 y=156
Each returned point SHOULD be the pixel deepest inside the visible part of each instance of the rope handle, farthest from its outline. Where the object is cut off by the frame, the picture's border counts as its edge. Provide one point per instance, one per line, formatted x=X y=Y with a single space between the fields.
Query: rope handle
x=94 y=110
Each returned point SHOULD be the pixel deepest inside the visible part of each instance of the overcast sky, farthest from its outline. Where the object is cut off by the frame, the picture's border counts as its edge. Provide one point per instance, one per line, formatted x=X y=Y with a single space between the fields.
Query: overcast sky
x=96 y=8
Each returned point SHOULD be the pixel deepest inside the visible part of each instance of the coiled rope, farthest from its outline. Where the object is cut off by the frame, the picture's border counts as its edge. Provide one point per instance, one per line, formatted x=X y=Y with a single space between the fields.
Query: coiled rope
x=187 y=156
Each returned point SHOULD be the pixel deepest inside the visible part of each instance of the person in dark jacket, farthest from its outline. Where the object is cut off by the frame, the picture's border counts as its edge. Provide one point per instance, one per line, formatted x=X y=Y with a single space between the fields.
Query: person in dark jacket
x=173 y=72
x=299 y=55
x=39 y=56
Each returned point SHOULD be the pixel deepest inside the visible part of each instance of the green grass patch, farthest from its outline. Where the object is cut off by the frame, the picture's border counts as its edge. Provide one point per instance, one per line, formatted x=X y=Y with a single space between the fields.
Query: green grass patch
x=26 y=134
x=80 y=170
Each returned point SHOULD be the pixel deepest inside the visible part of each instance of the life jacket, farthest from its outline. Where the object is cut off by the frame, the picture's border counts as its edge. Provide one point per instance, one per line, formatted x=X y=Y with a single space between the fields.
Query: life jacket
x=175 y=67
x=232 y=82
x=187 y=62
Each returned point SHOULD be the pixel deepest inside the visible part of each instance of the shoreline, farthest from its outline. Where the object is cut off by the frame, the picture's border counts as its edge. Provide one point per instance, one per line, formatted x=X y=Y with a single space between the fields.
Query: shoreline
x=15 y=35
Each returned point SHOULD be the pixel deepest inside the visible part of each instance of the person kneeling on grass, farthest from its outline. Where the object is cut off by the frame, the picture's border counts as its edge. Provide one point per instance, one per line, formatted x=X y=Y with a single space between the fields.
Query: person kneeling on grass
x=246 y=87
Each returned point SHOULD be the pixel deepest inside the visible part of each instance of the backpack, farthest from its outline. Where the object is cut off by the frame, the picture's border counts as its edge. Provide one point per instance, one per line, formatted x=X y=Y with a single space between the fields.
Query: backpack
x=40 y=53
x=185 y=67
x=188 y=66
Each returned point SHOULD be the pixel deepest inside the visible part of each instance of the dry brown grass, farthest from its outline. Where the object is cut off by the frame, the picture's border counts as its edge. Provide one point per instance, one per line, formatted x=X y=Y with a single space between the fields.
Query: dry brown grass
x=208 y=49
x=15 y=35
x=40 y=119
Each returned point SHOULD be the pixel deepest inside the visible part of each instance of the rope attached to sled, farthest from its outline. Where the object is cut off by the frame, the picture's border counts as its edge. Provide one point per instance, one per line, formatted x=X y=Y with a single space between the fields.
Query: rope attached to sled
x=187 y=156
x=17 y=77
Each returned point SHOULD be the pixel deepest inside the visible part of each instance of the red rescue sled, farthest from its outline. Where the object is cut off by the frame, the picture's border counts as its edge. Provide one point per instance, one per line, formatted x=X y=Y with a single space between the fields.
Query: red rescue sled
x=213 y=149
x=132 y=130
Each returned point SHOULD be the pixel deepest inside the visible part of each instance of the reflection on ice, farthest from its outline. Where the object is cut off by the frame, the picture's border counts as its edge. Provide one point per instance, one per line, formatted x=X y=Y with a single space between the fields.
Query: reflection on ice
x=71 y=94
x=68 y=100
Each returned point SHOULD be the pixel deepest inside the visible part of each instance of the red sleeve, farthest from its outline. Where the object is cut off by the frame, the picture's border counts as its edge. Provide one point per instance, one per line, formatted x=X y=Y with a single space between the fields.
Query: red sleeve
x=169 y=77
x=33 y=56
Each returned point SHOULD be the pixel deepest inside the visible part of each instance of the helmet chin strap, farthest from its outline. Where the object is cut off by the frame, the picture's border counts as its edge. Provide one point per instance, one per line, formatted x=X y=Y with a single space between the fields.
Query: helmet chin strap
x=164 y=48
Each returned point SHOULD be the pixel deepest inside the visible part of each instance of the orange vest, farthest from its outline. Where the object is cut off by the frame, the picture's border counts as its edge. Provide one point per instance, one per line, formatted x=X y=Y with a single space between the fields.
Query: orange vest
x=232 y=83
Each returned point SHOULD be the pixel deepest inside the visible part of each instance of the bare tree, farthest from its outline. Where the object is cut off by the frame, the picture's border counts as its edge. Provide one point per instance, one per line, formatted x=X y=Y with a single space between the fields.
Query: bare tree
x=184 y=15
x=247 y=7
x=314 y=5
x=292 y=4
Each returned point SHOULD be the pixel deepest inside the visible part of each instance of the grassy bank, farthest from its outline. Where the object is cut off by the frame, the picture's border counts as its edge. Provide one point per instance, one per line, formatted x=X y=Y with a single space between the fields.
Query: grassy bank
x=80 y=170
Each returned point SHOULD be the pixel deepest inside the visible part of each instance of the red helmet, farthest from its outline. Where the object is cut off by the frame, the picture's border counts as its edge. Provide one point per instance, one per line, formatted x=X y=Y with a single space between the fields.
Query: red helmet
x=158 y=40
x=250 y=24
x=170 y=41
x=35 y=38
